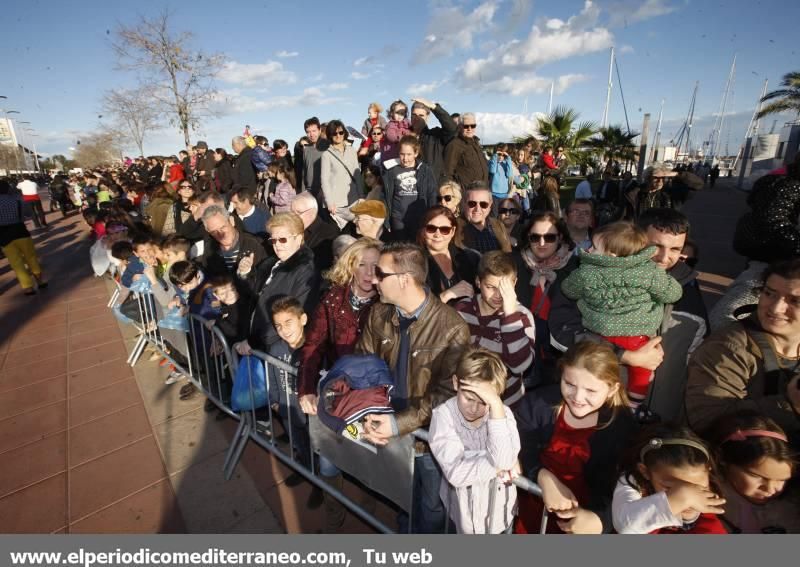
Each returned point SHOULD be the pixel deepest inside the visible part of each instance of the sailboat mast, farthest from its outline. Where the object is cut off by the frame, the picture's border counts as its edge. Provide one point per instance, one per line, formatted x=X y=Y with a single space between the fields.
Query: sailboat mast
x=550 y=104
x=604 y=123
x=657 y=139
x=716 y=135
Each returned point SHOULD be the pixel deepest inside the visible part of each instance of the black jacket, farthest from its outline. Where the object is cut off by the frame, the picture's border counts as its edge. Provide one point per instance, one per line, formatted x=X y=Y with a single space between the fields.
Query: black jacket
x=434 y=140
x=204 y=163
x=244 y=174
x=427 y=189
x=234 y=321
x=214 y=264
x=319 y=237
x=223 y=175
x=297 y=277
x=465 y=267
x=536 y=419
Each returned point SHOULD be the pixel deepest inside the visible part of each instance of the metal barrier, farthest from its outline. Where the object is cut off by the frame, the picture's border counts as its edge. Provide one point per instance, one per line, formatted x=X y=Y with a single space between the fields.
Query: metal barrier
x=211 y=366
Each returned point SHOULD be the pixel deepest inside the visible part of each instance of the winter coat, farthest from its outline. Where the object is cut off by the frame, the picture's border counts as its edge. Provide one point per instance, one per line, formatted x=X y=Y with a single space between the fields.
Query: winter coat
x=470 y=457
x=427 y=190
x=770 y=230
x=536 y=418
x=500 y=172
x=261 y=158
x=157 y=210
x=319 y=237
x=283 y=196
x=340 y=177
x=464 y=161
x=498 y=229
x=437 y=339
x=621 y=296
x=332 y=333
x=175 y=173
x=465 y=267
x=727 y=375
x=433 y=142
x=311 y=166
x=244 y=174
x=223 y=175
x=268 y=282
x=214 y=264
x=390 y=143
x=204 y=163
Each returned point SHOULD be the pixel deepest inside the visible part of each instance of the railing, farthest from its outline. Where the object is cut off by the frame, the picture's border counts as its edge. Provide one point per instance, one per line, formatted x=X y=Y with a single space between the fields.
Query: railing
x=211 y=365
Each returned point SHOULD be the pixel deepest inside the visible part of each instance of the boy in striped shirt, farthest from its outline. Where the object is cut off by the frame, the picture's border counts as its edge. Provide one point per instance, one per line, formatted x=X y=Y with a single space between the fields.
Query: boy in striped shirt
x=499 y=323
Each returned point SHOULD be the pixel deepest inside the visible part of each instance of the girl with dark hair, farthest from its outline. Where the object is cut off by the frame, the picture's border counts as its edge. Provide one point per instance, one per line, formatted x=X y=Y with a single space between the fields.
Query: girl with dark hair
x=397 y=127
x=452 y=269
x=756 y=463
x=410 y=188
x=282 y=155
x=667 y=486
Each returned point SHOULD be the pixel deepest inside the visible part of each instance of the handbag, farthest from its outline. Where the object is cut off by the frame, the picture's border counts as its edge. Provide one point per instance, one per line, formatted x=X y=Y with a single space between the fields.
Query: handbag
x=249 y=385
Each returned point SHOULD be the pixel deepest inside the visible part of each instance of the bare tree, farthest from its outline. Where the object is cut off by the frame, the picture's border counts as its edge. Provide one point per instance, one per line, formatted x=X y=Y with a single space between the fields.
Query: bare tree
x=132 y=112
x=180 y=80
x=98 y=149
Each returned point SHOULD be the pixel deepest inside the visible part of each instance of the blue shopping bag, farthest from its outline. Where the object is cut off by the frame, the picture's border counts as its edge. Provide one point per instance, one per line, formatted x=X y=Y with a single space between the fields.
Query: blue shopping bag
x=249 y=385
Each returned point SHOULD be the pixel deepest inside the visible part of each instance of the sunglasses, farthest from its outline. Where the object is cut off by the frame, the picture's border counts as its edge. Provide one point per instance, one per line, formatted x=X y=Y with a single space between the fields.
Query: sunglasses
x=446 y=198
x=186 y=187
x=469 y=126
x=473 y=204
x=444 y=230
x=339 y=133
x=281 y=240
x=380 y=275
x=548 y=238
x=511 y=211
x=377 y=133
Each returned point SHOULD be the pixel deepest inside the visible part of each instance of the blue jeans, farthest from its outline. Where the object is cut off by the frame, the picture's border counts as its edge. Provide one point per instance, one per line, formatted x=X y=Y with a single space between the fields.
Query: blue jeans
x=428 y=508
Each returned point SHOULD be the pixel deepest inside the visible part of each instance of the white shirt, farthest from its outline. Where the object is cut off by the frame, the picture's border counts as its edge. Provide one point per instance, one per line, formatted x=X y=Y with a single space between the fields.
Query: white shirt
x=28 y=188
x=583 y=190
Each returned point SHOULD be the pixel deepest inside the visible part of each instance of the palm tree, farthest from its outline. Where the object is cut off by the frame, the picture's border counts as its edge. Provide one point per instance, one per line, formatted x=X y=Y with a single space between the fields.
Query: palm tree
x=786 y=99
x=612 y=143
x=562 y=129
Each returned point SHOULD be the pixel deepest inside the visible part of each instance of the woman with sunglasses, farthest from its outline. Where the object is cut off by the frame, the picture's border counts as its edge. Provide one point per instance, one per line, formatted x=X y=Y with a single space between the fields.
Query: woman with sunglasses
x=544 y=258
x=398 y=126
x=180 y=209
x=340 y=174
x=450 y=196
x=510 y=214
x=452 y=269
x=370 y=151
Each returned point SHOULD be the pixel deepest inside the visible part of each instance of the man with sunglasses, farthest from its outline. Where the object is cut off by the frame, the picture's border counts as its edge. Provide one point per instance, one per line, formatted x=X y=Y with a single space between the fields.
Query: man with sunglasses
x=433 y=141
x=482 y=232
x=421 y=339
x=464 y=160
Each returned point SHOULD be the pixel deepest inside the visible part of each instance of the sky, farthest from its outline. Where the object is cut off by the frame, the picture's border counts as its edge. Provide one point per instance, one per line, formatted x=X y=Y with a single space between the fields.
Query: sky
x=288 y=61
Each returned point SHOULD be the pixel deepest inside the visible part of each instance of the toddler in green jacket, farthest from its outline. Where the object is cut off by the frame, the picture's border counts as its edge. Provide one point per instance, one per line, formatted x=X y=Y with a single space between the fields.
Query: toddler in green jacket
x=621 y=294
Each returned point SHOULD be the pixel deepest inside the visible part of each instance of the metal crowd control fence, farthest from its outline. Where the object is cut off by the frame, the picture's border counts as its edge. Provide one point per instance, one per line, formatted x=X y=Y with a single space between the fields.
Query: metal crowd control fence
x=211 y=365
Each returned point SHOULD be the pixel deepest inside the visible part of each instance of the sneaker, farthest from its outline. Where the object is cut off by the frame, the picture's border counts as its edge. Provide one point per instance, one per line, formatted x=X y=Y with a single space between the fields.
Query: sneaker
x=173 y=377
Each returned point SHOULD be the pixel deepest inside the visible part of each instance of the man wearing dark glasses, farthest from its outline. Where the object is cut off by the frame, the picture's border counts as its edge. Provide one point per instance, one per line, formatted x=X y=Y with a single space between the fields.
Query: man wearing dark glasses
x=464 y=160
x=482 y=232
x=421 y=339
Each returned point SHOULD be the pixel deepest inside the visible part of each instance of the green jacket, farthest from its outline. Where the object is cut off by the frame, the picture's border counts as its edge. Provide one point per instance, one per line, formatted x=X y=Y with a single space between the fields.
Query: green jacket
x=621 y=297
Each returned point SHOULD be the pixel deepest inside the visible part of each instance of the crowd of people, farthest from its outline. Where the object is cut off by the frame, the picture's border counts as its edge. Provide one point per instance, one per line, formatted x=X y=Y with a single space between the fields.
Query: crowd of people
x=565 y=342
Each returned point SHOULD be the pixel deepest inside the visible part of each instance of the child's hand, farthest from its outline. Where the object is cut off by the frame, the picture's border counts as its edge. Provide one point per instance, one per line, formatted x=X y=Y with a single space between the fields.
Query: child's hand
x=509 y=295
x=246 y=264
x=579 y=521
x=377 y=429
x=684 y=498
x=461 y=289
x=308 y=403
x=243 y=348
x=556 y=495
x=486 y=392
x=174 y=303
x=209 y=324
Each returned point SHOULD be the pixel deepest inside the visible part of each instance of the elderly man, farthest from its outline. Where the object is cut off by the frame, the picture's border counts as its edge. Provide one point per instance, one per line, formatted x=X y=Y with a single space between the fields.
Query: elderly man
x=753 y=364
x=318 y=235
x=204 y=167
x=464 y=160
x=432 y=140
x=421 y=339
x=482 y=232
x=228 y=245
x=370 y=216
x=244 y=174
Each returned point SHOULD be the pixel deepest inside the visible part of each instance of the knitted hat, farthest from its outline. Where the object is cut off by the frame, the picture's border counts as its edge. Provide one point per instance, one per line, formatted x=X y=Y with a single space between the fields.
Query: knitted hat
x=371 y=208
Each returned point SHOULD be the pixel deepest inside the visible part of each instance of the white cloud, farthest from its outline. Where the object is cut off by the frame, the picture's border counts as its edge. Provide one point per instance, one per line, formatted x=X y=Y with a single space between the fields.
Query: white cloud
x=625 y=12
x=248 y=74
x=494 y=127
x=626 y=49
x=337 y=86
x=363 y=61
x=511 y=68
x=284 y=54
x=359 y=76
x=425 y=88
x=450 y=29
x=235 y=101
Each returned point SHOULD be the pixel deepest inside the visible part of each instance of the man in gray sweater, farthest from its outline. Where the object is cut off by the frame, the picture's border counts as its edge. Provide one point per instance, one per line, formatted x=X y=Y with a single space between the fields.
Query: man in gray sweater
x=312 y=154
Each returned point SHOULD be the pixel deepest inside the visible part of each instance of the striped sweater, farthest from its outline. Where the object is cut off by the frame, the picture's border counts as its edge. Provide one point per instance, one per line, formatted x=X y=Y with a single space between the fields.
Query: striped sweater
x=511 y=336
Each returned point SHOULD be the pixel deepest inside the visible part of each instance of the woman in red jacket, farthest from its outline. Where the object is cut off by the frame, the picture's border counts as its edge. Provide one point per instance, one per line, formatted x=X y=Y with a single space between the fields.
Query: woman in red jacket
x=339 y=317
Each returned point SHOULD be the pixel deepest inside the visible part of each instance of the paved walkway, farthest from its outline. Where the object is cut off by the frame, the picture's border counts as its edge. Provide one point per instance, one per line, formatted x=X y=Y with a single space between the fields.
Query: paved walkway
x=89 y=445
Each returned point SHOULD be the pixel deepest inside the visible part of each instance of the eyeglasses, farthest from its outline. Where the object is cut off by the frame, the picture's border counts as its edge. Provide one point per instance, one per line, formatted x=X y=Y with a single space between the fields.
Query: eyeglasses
x=511 y=211
x=380 y=275
x=548 y=238
x=444 y=230
x=446 y=198
x=473 y=204
x=469 y=126
x=281 y=240
x=339 y=133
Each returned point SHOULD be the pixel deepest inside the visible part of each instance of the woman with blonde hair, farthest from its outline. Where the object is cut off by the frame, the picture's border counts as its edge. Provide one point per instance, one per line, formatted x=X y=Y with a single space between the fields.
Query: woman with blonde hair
x=339 y=317
x=450 y=196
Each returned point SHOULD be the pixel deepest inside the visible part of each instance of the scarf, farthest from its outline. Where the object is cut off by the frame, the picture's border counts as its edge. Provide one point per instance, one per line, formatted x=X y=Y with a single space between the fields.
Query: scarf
x=545 y=270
